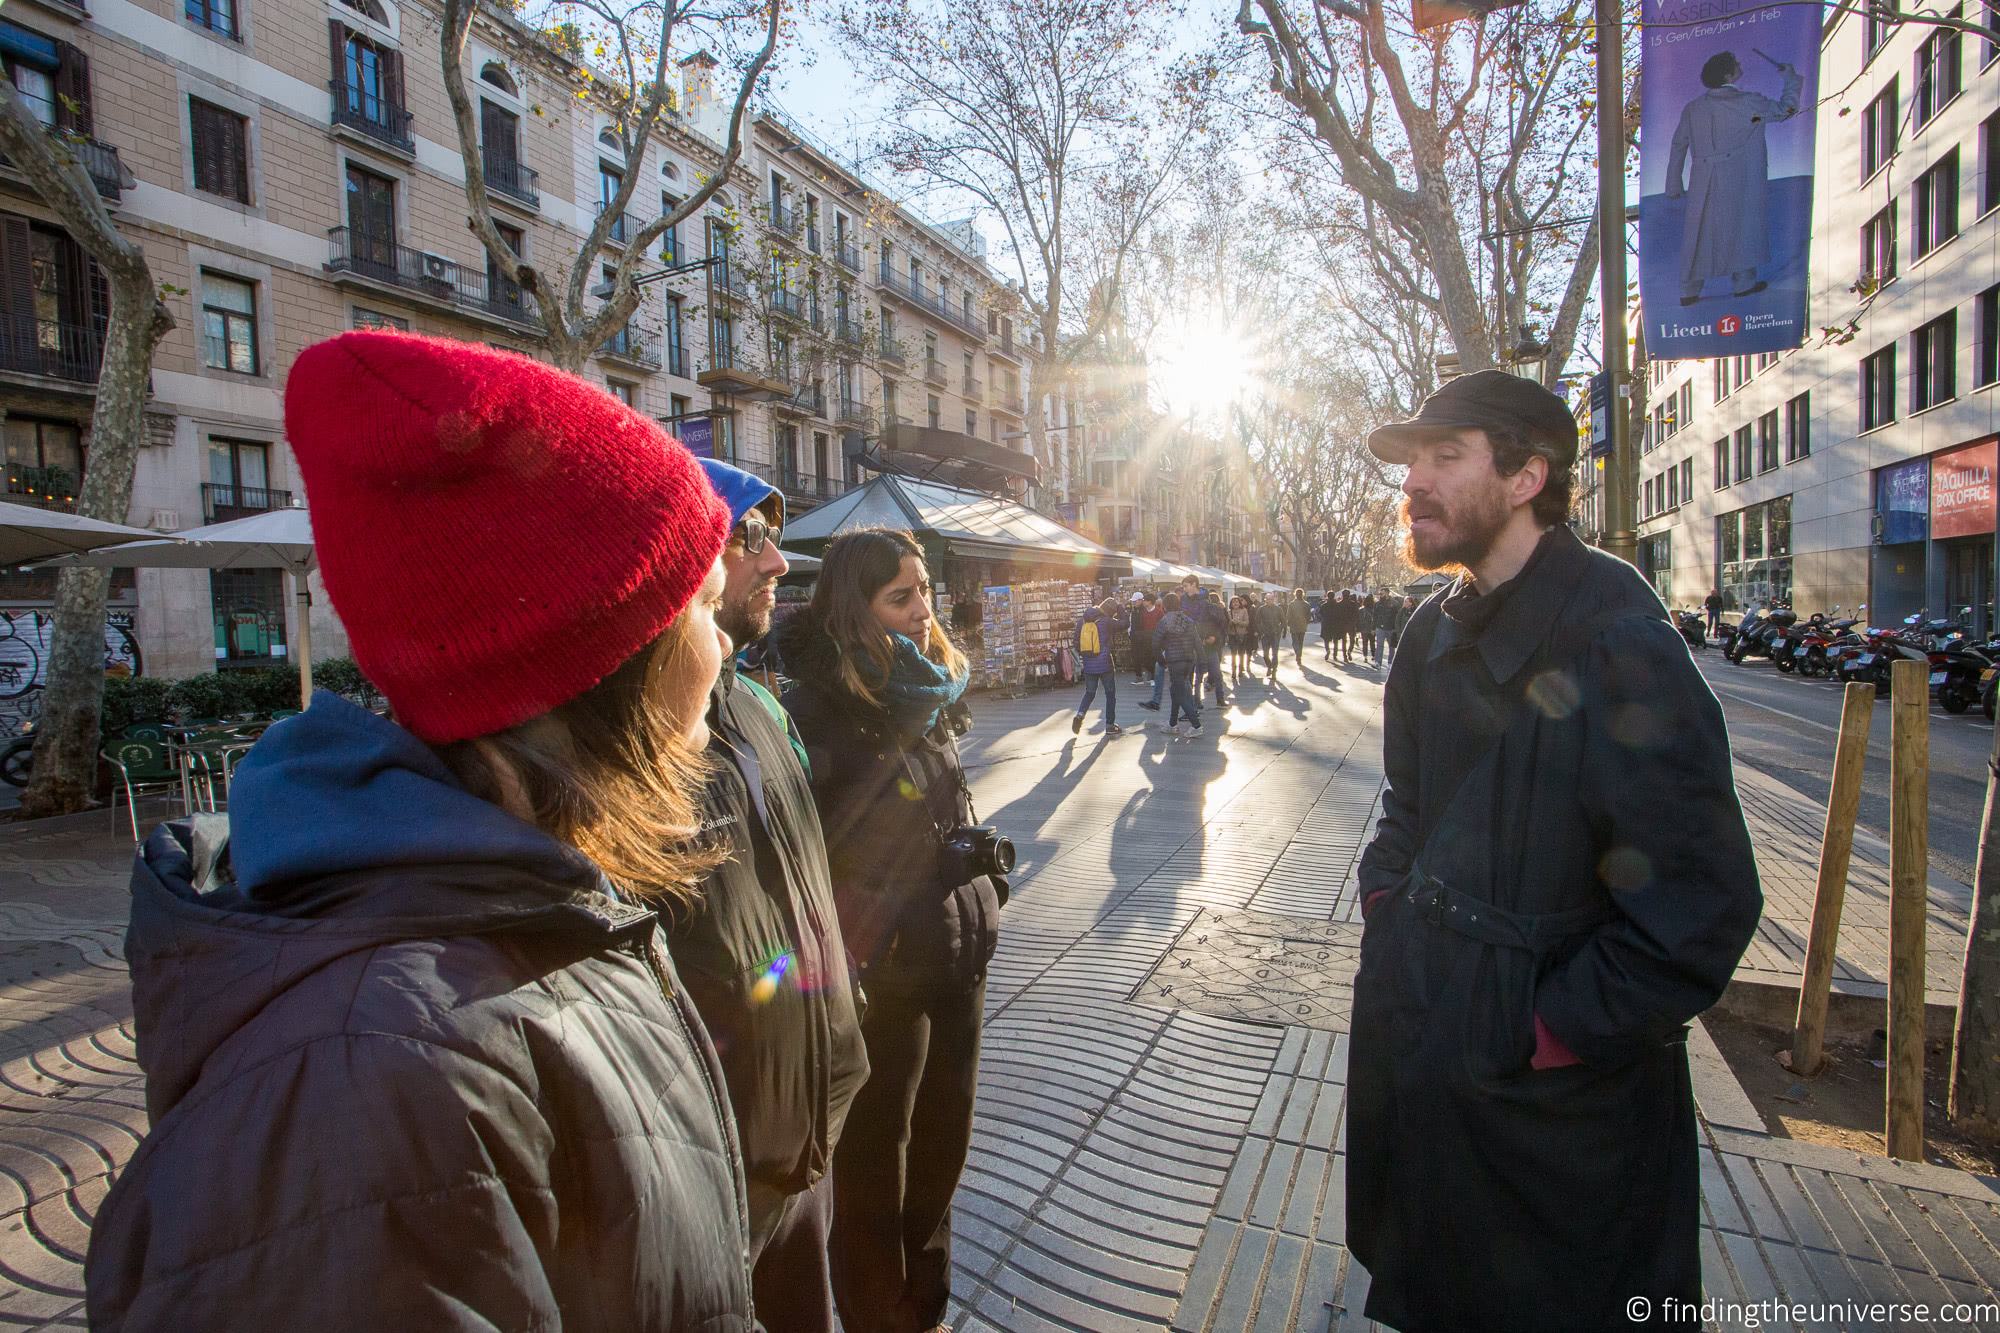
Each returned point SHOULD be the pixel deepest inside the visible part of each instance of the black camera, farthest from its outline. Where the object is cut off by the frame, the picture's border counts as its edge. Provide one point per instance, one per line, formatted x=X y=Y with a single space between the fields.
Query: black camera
x=972 y=850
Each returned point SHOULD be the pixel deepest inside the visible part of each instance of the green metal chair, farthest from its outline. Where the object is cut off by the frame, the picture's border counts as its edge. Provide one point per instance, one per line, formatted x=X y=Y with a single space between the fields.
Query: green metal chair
x=145 y=731
x=143 y=770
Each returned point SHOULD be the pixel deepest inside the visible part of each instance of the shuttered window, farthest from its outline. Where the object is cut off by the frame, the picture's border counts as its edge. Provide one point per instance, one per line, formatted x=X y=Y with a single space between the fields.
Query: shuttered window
x=221 y=150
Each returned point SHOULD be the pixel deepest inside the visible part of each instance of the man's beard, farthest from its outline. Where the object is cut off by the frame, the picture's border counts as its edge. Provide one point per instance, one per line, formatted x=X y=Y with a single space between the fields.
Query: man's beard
x=743 y=626
x=1468 y=531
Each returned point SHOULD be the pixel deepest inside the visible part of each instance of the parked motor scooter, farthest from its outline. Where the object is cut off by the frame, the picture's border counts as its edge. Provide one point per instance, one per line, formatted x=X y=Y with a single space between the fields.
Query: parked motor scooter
x=1693 y=627
x=1757 y=640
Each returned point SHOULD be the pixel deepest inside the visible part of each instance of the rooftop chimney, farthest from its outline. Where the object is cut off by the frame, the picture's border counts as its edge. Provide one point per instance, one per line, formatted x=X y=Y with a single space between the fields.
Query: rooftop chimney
x=700 y=106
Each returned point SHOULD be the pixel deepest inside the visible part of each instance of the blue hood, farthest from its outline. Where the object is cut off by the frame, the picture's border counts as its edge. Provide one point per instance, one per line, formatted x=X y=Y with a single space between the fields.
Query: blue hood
x=741 y=491
x=229 y=913
x=338 y=789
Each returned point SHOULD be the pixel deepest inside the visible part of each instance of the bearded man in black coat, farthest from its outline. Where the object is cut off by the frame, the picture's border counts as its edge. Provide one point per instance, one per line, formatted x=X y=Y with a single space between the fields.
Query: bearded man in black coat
x=1560 y=882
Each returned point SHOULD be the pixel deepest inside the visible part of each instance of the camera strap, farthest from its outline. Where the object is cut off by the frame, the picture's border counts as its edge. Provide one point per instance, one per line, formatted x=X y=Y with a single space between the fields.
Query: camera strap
x=938 y=826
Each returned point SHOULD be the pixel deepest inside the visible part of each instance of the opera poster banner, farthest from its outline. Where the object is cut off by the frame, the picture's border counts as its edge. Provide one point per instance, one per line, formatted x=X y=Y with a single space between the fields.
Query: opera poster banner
x=1726 y=175
x=1962 y=490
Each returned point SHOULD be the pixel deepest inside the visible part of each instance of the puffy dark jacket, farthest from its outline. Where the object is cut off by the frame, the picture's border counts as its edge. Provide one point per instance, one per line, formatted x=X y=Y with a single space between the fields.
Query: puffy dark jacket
x=1178 y=639
x=1269 y=620
x=761 y=954
x=1345 y=617
x=410 y=1063
x=906 y=927
x=1100 y=662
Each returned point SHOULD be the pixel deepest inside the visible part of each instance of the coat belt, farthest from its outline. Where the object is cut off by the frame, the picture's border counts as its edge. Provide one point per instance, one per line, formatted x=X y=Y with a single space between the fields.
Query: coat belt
x=1475 y=918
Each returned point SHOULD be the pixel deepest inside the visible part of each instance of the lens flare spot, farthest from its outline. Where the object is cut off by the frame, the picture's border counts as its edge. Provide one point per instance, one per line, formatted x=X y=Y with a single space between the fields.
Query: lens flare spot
x=907 y=790
x=1624 y=869
x=765 y=988
x=1554 y=694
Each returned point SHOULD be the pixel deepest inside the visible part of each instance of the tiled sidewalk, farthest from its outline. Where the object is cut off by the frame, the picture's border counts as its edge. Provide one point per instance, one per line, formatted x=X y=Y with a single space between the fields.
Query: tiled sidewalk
x=1135 y=1166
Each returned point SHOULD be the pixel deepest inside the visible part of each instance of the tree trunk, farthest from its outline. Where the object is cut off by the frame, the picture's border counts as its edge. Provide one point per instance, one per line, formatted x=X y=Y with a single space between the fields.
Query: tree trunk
x=1975 y=1047
x=66 y=739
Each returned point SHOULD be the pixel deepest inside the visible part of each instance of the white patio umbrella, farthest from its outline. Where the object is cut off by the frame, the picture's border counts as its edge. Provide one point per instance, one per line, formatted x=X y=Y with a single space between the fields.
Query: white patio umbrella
x=280 y=538
x=28 y=533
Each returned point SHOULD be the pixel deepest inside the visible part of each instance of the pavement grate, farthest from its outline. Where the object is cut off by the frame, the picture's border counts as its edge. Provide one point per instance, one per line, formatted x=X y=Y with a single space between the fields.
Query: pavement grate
x=1260 y=967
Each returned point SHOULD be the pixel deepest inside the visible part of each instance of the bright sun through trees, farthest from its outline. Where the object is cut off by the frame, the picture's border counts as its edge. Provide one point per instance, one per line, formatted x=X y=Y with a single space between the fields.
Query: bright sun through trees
x=1200 y=367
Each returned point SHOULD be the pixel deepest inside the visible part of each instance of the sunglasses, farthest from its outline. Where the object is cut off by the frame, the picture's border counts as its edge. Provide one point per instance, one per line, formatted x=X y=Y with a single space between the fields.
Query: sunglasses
x=754 y=533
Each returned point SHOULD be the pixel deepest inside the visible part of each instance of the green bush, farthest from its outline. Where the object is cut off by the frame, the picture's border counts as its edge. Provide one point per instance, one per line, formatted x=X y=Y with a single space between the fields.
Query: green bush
x=206 y=698
x=268 y=689
x=132 y=700
x=344 y=678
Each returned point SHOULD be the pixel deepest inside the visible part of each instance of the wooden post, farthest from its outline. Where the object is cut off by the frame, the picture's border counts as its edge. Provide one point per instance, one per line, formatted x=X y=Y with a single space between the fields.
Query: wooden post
x=1909 y=885
x=1857 y=709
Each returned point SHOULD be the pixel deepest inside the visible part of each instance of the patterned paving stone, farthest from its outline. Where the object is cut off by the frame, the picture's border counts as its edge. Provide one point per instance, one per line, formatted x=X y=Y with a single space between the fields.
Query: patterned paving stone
x=1137 y=1164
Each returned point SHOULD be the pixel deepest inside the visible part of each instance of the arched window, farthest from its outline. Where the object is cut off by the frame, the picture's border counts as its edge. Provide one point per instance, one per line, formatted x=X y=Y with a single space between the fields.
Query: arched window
x=369 y=9
x=670 y=171
x=609 y=138
x=496 y=74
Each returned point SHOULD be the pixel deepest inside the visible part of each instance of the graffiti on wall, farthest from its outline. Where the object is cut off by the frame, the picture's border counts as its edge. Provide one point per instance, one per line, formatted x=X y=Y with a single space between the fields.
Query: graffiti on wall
x=25 y=638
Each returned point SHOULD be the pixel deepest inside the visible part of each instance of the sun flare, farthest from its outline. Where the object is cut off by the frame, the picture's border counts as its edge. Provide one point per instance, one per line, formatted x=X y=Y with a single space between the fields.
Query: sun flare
x=1200 y=367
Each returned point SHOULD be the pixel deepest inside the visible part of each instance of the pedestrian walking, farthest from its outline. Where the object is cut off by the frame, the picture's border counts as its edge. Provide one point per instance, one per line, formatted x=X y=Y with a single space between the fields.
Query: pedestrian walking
x=878 y=704
x=406 y=1025
x=1213 y=618
x=1381 y=622
x=1094 y=656
x=1298 y=615
x=1713 y=605
x=791 y=1047
x=1180 y=652
x=1404 y=610
x=1365 y=622
x=1242 y=637
x=1346 y=623
x=1537 y=938
x=1329 y=619
x=1270 y=621
x=1145 y=619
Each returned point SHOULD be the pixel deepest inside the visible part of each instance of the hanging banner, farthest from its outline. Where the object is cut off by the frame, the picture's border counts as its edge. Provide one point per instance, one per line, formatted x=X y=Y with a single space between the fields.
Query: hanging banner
x=1725 y=175
x=698 y=434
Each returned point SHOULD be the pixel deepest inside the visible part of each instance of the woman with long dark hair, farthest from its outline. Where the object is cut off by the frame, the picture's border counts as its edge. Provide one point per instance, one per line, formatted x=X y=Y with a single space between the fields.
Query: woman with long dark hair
x=877 y=703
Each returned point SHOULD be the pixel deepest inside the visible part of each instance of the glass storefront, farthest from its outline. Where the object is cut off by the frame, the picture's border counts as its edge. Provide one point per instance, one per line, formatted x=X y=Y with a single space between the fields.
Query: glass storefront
x=1755 y=548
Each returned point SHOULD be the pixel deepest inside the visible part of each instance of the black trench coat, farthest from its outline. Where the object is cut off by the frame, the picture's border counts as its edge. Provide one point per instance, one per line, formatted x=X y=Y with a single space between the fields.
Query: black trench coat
x=1603 y=825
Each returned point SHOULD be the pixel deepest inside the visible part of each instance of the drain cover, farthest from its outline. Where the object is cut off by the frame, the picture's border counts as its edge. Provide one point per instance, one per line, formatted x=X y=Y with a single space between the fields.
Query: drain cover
x=1264 y=967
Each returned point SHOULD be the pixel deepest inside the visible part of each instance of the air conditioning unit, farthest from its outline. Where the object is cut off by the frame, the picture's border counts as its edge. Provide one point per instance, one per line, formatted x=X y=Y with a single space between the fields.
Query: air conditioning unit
x=439 y=269
x=166 y=520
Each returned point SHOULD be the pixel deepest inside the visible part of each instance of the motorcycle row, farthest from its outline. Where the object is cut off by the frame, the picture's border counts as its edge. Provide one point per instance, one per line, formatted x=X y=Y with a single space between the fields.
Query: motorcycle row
x=1963 y=671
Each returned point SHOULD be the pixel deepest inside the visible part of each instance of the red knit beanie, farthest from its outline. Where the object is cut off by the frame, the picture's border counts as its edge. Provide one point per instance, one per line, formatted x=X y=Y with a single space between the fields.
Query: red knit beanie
x=497 y=535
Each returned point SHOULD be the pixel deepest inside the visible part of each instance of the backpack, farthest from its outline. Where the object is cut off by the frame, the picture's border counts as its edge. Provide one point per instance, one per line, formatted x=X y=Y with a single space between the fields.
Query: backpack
x=1087 y=641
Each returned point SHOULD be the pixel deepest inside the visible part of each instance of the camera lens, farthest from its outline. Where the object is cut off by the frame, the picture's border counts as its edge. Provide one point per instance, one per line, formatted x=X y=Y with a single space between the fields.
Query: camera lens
x=1003 y=855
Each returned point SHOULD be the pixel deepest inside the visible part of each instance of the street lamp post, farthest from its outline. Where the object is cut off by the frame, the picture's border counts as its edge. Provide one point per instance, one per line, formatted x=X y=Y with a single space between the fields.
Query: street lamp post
x=1620 y=480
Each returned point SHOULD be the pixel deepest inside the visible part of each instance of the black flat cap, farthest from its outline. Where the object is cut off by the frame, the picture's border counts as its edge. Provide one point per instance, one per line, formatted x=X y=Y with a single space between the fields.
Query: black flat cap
x=1484 y=400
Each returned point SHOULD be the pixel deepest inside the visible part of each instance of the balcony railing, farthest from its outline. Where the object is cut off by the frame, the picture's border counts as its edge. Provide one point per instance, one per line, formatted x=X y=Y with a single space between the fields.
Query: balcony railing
x=377 y=257
x=506 y=175
x=634 y=346
x=846 y=255
x=785 y=221
x=888 y=349
x=623 y=227
x=100 y=161
x=729 y=282
x=847 y=331
x=377 y=116
x=55 y=348
x=802 y=487
x=812 y=236
x=43 y=487
x=805 y=400
x=854 y=414
x=972 y=390
x=221 y=501
x=913 y=291
x=934 y=372
x=784 y=301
